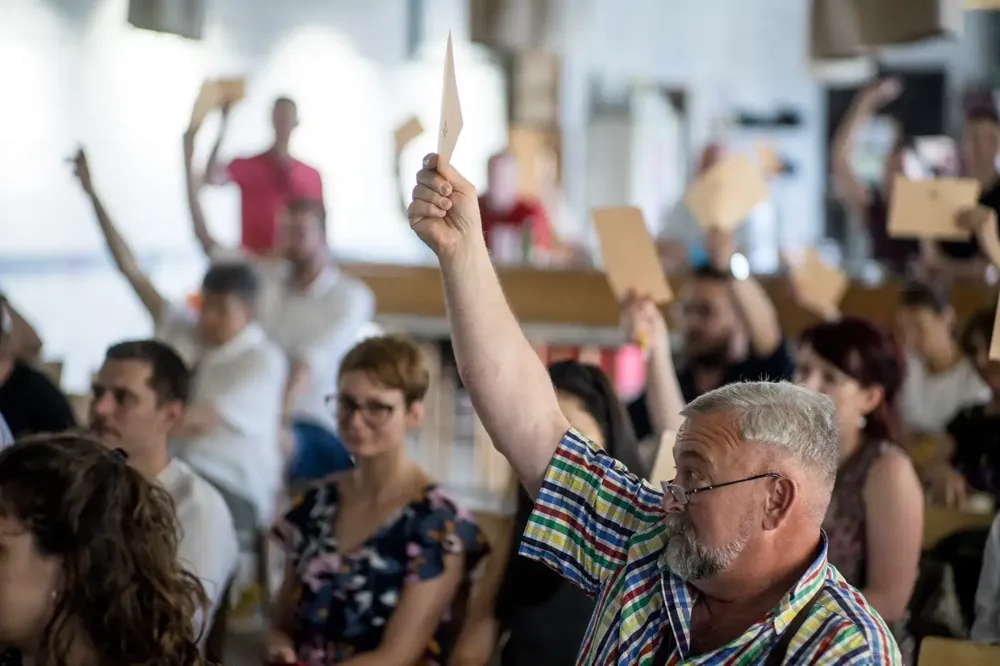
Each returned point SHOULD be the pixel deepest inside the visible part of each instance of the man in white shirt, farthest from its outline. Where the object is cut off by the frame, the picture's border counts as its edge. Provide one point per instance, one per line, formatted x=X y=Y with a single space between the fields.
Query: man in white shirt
x=139 y=397
x=229 y=433
x=312 y=311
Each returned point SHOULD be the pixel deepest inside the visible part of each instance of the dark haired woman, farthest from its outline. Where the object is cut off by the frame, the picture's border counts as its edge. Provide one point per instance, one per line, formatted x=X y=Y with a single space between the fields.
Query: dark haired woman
x=89 y=574
x=874 y=523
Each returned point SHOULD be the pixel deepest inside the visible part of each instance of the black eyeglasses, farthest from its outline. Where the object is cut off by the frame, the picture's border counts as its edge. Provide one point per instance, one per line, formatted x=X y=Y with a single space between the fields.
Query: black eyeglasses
x=683 y=496
x=374 y=412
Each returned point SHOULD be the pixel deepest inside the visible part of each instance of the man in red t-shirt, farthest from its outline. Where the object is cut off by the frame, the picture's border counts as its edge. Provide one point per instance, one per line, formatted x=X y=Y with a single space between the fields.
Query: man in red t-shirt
x=268 y=181
x=507 y=215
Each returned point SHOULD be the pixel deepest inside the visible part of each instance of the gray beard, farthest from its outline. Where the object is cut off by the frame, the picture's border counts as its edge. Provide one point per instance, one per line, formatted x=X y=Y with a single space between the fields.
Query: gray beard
x=692 y=560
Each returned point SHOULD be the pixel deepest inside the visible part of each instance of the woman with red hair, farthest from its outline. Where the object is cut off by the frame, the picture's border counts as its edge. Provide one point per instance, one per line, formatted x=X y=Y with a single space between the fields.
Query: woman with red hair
x=874 y=523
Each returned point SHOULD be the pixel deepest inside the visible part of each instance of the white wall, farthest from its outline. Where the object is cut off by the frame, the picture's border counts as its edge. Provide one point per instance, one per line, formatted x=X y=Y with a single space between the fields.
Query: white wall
x=74 y=71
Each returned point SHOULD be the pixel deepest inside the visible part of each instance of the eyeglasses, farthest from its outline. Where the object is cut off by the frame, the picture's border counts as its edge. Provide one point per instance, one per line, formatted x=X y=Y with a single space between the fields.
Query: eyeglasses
x=683 y=496
x=373 y=412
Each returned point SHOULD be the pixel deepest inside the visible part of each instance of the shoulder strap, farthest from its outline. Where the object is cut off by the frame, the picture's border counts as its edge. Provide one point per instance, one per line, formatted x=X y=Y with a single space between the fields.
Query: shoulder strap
x=780 y=649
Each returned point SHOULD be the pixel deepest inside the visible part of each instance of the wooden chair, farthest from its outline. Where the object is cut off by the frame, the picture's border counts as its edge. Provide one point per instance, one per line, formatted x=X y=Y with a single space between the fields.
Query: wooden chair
x=940 y=523
x=936 y=651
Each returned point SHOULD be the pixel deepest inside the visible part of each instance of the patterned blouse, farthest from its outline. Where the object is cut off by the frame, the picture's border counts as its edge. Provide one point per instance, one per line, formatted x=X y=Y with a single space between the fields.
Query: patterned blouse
x=344 y=600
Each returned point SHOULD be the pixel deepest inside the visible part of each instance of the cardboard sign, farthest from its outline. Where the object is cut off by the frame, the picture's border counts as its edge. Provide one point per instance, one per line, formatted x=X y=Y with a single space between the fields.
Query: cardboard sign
x=231 y=91
x=209 y=97
x=406 y=133
x=725 y=194
x=451 y=110
x=631 y=262
x=819 y=287
x=664 y=468
x=930 y=208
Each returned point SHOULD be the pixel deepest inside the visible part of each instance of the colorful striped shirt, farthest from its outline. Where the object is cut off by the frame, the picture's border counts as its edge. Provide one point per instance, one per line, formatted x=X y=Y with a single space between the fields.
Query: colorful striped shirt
x=601 y=528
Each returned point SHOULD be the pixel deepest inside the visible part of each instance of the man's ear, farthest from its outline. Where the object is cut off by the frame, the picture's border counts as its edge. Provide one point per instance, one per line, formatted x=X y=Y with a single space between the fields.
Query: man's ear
x=778 y=504
x=173 y=414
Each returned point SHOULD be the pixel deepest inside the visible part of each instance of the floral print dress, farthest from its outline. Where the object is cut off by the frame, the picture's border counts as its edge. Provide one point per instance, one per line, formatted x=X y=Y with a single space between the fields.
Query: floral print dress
x=344 y=600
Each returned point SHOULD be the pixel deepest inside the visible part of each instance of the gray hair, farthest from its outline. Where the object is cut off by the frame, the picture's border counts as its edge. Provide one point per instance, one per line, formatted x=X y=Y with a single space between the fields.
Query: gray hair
x=801 y=422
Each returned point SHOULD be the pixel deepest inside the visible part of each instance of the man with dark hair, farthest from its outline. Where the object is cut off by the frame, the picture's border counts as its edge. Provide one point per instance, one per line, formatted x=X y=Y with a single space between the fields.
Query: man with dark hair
x=29 y=402
x=730 y=331
x=229 y=432
x=312 y=311
x=138 y=398
x=268 y=181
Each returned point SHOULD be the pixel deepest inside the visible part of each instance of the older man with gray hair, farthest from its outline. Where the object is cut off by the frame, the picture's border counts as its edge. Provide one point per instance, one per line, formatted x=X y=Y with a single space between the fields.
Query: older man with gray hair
x=727 y=564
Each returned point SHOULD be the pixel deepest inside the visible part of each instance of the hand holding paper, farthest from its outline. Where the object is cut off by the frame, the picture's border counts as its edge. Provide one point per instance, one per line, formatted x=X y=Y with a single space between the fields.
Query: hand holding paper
x=643 y=323
x=631 y=263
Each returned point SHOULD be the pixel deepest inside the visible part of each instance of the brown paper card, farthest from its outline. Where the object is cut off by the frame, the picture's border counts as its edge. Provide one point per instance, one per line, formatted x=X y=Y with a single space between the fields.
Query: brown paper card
x=232 y=90
x=406 y=133
x=981 y=4
x=769 y=159
x=209 y=97
x=989 y=242
x=725 y=194
x=819 y=287
x=930 y=208
x=630 y=259
x=995 y=338
x=664 y=467
x=451 y=110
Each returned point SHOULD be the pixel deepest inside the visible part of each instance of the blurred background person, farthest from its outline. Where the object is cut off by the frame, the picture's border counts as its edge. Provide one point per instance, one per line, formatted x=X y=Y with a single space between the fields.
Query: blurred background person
x=379 y=558
x=29 y=401
x=90 y=573
x=874 y=523
x=268 y=181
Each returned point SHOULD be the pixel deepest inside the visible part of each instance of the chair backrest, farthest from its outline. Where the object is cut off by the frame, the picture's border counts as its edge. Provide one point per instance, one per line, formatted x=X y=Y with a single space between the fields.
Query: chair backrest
x=936 y=651
x=940 y=523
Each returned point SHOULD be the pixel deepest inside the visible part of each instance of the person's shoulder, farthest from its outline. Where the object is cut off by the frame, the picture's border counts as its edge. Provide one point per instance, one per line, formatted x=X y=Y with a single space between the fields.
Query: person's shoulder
x=854 y=628
x=266 y=354
x=198 y=502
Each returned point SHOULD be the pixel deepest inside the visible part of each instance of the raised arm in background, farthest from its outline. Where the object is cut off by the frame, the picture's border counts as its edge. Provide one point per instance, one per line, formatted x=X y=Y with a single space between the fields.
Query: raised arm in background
x=215 y=173
x=644 y=324
x=506 y=380
x=752 y=302
x=122 y=254
x=848 y=187
x=193 y=184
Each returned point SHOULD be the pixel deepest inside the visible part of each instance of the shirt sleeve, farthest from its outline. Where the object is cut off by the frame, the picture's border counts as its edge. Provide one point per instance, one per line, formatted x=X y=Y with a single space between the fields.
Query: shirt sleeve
x=345 y=323
x=586 y=513
x=260 y=381
x=986 y=627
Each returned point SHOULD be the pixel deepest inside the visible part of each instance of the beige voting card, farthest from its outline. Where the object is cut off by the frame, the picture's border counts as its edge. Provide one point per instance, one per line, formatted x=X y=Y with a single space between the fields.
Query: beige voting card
x=769 y=159
x=930 y=208
x=995 y=338
x=451 y=110
x=818 y=286
x=664 y=467
x=981 y=4
x=231 y=91
x=406 y=133
x=629 y=253
x=209 y=97
x=725 y=194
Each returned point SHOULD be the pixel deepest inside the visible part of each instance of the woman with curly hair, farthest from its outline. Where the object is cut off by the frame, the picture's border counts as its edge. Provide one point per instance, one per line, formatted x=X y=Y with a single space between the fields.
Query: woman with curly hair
x=89 y=574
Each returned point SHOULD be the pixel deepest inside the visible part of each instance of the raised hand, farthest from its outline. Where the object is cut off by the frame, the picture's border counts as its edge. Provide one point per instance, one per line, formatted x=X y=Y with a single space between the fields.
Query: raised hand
x=445 y=210
x=720 y=245
x=884 y=92
x=82 y=170
x=642 y=322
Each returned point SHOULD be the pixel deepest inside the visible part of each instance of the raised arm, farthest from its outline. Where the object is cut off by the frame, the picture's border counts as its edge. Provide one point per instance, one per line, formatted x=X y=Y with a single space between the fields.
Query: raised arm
x=193 y=185
x=122 y=254
x=752 y=302
x=848 y=187
x=215 y=173
x=506 y=380
x=644 y=324
x=26 y=344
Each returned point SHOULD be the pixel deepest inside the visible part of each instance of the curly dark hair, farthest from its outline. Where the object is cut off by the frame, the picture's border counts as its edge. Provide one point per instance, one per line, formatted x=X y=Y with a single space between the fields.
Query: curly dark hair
x=116 y=534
